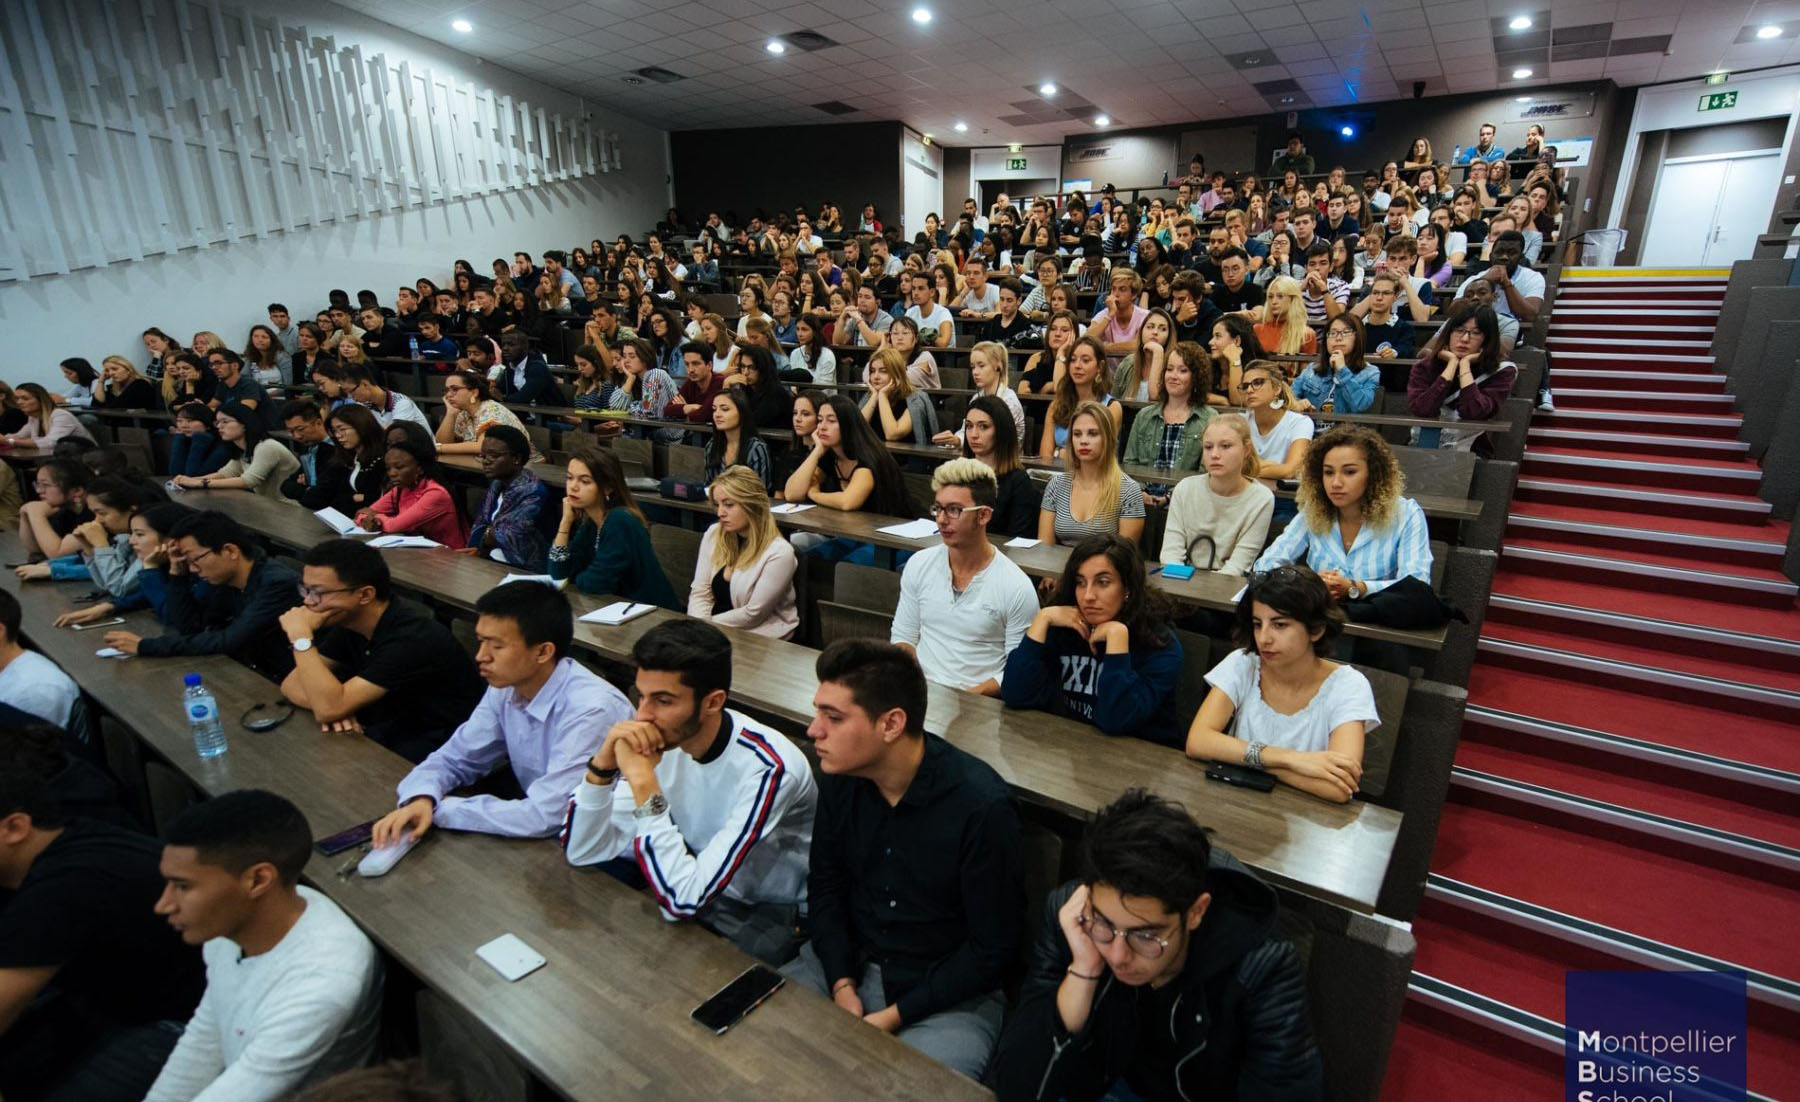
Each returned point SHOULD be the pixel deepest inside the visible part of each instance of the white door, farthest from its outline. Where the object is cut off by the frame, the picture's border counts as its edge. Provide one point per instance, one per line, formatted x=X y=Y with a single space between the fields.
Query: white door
x=1710 y=210
x=1744 y=205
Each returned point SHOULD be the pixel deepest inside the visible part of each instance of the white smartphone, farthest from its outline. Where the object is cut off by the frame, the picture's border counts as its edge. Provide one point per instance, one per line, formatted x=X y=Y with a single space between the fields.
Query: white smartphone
x=98 y=624
x=510 y=957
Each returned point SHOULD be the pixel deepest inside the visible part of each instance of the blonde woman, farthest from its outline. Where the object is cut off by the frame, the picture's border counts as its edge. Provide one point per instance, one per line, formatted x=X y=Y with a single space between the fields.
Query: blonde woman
x=1087 y=378
x=1091 y=495
x=121 y=386
x=895 y=410
x=1283 y=330
x=714 y=332
x=987 y=370
x=1220 y=522
x=45 y=422
x=744 y=574
x=1279 y=435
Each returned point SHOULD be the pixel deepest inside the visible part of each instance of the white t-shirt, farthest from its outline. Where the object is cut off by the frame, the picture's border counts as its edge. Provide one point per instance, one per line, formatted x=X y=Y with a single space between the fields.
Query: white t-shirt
x=1529 y=282
x=269 y=1024
x=928 y=323
x=988 y=300
x=1345 y=697
x=962 y=639
x=34 y=684
x=1273 y=448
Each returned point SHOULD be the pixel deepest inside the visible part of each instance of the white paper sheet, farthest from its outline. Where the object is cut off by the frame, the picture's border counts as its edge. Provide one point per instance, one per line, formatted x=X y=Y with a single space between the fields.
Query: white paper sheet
x=912 y=529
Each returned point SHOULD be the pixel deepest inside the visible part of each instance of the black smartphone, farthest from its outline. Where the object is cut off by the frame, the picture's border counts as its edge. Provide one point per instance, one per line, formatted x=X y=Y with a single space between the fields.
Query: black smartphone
x=1242 y=776
x=737 y=998
x=345 y=840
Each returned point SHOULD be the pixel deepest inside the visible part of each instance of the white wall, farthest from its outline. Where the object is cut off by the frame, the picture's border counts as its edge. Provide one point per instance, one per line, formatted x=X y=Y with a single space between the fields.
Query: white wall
x=1772 y=94
x=921 y=180
x=98 y=311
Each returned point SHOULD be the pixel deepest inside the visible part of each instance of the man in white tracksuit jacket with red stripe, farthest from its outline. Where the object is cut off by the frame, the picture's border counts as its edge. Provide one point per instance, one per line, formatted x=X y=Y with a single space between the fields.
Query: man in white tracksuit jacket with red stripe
x=715 y=809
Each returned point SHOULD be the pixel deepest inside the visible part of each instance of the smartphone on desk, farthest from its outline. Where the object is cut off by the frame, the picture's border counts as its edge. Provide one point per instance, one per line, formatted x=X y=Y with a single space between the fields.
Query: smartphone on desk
x=1242 y=776
x=739 y=997
x=115 y=621
x=345 y=840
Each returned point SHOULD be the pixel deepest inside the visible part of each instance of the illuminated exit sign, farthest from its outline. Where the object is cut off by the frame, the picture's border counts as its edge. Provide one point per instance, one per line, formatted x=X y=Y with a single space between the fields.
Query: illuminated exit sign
x=1718 y=101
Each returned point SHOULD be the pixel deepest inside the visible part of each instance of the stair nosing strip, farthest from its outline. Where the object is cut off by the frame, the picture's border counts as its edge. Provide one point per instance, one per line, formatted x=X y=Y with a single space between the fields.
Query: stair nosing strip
x=1645 y=466
x=1534 y=1029
x=1749 y=505
x=1651 y=535
x=1643 y=395
x=1716 y=420
x=1599 y=437
x=1643 y=822
x=1636 y=672
x=1698 y=577
x=1761 y=776
x=1779 y=990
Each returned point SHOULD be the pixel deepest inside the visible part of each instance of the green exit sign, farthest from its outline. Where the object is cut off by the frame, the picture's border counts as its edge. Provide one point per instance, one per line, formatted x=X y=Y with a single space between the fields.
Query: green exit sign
x=1718 y=101
x=1015 y=164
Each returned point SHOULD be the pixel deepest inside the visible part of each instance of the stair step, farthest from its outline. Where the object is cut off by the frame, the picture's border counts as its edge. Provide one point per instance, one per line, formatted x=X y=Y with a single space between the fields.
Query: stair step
x=1654 y=653
x=1708 y=425
x=1685 y=725
x=1781 y=627
x=1437 y=1055
x=1763 y=530
x=1631 y=360
x=1646 y=401
x=1633 y=498
x=1693 y=447
x=1629 y=343
x=1722 y=475
x=1639 y=568
x=1695 y=550
x=1653 y=681
x=1624 y=311
x=1726 y=777
x=1614 y=379
x=1643 y=805
x=1738 y=649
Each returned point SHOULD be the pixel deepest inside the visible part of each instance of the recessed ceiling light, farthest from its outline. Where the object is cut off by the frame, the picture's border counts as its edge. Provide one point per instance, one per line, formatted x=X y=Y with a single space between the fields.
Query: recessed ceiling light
x=1768 y=31
x=1521 y=23
x=1046 y=89
x=961 y=128
x=928 y=135
x=1347 y=131
x=1521 y=99
x=1521 y=74
x=921 y=16
x=776 y=47
x=462 y=25
x=1102 y=120
x=1287 y=99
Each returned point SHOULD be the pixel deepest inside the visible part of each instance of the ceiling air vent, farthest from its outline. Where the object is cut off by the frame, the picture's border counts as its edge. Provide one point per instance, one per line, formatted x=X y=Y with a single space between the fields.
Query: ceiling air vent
x=808 y=41
x=660 y=76
x=836 y=107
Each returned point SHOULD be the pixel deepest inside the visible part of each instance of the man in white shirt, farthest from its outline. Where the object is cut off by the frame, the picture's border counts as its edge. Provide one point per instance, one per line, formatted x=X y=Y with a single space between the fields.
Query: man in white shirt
x=980 y=298
x=935 y=324
x=972 y=211
x=963 y=605
x=293 y=987
x=387 y=405
x=716 y=809
x=28 y=681
x=1518 y=290
x=543 y=713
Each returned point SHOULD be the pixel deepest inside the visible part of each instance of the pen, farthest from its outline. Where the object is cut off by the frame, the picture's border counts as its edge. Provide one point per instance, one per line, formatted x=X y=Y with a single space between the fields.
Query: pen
x=627 y=611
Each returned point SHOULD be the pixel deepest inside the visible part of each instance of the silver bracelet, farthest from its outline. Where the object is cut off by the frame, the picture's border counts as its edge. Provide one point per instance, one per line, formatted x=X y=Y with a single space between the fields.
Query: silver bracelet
x=1253 y=755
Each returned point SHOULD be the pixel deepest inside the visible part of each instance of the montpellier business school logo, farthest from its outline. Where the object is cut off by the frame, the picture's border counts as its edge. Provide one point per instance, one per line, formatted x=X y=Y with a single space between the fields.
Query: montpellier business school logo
x=1654 y=1037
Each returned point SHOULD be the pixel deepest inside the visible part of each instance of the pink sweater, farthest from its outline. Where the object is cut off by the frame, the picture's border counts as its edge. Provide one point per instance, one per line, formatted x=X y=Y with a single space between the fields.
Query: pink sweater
x=425 y=510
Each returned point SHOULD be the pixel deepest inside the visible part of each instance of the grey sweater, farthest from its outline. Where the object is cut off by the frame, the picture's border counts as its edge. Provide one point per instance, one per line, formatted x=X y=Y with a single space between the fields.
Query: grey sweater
x=1219 y=533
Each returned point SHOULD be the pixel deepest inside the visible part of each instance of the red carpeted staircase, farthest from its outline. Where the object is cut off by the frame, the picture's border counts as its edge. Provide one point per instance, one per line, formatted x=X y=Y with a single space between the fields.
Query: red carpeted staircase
x=1626 y=787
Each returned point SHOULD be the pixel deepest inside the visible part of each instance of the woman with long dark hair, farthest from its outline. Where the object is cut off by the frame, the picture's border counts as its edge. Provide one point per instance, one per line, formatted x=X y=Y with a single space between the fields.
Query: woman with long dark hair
x=262 y=463
x=1341 y=379
x=771 y=402
x=1471 y=385
x=602 y=544
x=849 y=468
x=359 y=474
x=734 y=440
x=990 y=435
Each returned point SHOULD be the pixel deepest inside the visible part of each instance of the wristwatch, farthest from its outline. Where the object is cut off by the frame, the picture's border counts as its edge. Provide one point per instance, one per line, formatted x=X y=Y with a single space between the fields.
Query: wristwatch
x=1357 y=589
x=651 y=808
x=302 y=645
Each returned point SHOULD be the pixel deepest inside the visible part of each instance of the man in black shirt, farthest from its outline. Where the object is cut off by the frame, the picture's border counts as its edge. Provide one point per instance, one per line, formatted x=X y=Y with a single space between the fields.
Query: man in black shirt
x=488 y=318
x=238 y=612
x=366 y=662
x=93 y=985
x=915 y=883
x=380 y=340
x=1194 y=312
x=1008 y=326
x=1161 y=923
x=235 y=386
x=1233 y=293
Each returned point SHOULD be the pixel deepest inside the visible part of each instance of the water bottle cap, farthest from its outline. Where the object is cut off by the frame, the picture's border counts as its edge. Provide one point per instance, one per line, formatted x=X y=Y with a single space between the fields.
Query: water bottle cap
x=191 y=680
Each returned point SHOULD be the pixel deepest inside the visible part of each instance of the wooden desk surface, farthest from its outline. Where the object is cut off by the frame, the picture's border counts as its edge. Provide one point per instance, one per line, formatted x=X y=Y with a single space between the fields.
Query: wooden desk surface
x=608 y=1016
x=1334 y=852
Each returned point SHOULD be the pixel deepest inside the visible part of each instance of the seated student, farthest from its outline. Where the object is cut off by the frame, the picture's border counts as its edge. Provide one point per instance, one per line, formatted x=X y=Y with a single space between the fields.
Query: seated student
x=895 y=410
x=1139 y=377
x=93 y=985
x=963 y=605
x=47 y=525
x=848 y=468
x=1387 y=332
x=1086 y=378
x=46 y=423
x=692 y=398
x=1471 y=385
x=1220 y=522
x=366 y=661
x=602 y=545
x=293 y=987
x=1298 y=715
x=906 y=337
x=260 y=463
x=1341 y=380
x=1481 y=293
x=30 y=745
x=1091 y=496
x=771 y=402
x=734 y=440
x=433 y=344
x=515 y=516
x=1283 y=330
x=387 y=405
x=542 y=715
x=235 y=613
x=28 y=681
x=193 y=449
x=717 y=809
x=313 y=447
x=235 y=385
x=988 y=435
x=1102 y=651
x=469 y=412
x=525 y=377
x=1160 y=920
x=149 y=526
x=744 y=573
x=357 y=472
x=1166 y=434
x=1047 y=365
x=915 y=886
x=416 y=502
x=1279 y=435
x=1358 y=533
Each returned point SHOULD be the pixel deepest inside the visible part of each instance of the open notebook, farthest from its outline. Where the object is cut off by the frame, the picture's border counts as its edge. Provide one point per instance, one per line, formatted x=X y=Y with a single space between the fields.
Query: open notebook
x=340 y=523
x=618 y=612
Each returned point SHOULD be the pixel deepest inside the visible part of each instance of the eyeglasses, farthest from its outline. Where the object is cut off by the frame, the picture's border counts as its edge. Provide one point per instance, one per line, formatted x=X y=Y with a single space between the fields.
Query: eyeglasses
x=1142 y=942
x=1256 y=384
x=954 y=512
x=311 y=593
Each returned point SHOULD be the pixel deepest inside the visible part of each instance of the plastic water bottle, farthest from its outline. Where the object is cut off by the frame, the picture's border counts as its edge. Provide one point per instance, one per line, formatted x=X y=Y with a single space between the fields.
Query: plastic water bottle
x=203 y=716
x=1456 y=156
x=412 y=343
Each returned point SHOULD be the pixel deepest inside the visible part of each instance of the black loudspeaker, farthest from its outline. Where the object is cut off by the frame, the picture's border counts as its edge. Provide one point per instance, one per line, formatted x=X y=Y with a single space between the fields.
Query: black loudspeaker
x=1418 y=89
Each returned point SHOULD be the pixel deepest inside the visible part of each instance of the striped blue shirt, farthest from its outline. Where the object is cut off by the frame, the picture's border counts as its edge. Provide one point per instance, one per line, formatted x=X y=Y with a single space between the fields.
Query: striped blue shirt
x=1378 y=559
